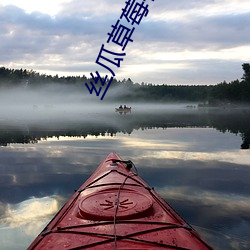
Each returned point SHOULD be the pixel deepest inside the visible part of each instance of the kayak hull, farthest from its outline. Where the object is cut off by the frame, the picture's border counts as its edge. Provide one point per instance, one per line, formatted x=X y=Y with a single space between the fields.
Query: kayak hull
x=116 y=209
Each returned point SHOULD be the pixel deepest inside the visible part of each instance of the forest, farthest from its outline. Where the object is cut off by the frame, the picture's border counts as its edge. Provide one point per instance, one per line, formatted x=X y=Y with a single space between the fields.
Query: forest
x=224 y=93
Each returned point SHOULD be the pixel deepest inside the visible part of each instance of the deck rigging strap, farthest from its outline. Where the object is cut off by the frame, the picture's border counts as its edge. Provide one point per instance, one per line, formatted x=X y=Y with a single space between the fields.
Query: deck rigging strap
x=129 y=164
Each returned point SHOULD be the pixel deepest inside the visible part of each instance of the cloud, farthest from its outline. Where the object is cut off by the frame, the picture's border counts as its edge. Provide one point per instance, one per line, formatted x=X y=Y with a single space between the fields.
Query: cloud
x=93 y=8
x=187 y=35
x=200 y=32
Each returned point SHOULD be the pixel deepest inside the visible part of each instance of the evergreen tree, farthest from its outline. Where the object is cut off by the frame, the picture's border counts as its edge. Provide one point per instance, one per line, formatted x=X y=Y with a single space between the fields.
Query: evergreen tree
x=246 y=69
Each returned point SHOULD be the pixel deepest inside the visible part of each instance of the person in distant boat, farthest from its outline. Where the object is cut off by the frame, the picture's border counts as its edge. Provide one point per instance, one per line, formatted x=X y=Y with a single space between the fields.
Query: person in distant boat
x=120 y=107
x=125 y=106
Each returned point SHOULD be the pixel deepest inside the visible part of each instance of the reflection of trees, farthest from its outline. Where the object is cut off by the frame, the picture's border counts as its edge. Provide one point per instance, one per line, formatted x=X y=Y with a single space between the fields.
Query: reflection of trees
x=16 y=137
x=246 y=141
x=234 y=121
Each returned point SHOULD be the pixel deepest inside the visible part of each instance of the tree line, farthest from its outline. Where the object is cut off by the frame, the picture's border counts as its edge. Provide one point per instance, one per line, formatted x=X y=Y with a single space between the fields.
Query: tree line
x=236 y=91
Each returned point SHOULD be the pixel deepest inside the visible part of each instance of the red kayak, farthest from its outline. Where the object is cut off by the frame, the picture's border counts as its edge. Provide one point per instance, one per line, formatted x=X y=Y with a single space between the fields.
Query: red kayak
x=116 y=209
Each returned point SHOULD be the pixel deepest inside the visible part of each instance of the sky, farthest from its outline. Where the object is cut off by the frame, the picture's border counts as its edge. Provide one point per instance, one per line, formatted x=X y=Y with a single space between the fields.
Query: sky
x=178 y=42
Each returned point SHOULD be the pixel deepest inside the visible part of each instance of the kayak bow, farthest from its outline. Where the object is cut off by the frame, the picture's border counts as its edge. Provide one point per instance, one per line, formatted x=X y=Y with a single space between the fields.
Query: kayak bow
x=116 y=209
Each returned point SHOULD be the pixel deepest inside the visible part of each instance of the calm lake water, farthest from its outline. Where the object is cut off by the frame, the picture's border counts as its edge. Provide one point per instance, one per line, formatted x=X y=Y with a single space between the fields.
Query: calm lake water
x=197 y=160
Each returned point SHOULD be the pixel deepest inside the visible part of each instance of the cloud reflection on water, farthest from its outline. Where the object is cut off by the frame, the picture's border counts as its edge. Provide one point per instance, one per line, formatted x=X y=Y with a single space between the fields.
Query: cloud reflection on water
x=29 y=211
x=21 y=222
x=235 y=156
x=207 y=184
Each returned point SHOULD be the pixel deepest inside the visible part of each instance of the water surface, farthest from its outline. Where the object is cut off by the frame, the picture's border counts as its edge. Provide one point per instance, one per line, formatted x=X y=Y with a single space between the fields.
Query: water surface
x=193 y=158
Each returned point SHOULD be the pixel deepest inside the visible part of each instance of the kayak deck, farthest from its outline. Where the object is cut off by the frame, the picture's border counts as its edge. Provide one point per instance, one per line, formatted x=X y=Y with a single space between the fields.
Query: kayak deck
x=116 y=209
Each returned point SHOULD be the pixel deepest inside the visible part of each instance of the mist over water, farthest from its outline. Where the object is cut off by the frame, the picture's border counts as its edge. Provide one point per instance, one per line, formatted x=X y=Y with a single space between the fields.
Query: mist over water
x=56 y=110
x=48 y=102
x=62 y=103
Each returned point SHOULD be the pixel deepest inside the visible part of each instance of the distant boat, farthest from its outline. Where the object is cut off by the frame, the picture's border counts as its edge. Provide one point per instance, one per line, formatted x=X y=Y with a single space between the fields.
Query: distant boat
x=125 y=110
